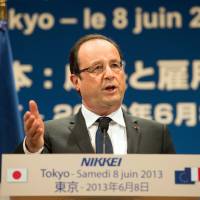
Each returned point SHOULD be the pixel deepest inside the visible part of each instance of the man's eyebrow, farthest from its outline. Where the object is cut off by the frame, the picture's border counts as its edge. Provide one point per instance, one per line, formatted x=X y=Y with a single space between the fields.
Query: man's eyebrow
x=115 y=60
x=101 y=61
x=97 y=62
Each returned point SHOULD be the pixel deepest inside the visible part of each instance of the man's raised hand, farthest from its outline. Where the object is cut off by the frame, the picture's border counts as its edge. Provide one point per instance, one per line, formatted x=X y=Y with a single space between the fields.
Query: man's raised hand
x=34 y=128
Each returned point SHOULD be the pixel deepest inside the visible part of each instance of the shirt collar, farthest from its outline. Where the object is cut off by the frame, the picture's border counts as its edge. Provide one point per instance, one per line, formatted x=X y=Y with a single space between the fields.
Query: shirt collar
x=90 y=117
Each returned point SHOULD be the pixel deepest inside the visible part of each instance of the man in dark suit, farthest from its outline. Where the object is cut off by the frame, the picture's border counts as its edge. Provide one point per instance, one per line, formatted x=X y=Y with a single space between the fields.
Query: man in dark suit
x=101 y=125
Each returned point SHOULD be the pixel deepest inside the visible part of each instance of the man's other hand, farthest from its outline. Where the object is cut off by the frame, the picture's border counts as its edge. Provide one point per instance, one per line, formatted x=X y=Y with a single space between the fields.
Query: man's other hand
x=34 y=128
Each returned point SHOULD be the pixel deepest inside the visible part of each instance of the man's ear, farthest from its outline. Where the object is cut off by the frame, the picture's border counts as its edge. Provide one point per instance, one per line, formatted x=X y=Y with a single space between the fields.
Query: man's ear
x=75 y=81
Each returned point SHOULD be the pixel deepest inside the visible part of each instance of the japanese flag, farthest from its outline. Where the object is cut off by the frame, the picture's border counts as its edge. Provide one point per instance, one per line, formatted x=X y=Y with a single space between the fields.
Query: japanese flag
x=17 y=175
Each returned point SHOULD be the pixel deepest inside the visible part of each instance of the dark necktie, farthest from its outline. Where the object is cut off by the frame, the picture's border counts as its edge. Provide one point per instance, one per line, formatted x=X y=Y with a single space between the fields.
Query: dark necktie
x=103 y=142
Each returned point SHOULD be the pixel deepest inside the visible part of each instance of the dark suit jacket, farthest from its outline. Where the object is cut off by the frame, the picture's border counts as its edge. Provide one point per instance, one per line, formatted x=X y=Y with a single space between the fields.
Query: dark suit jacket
x=70 y=135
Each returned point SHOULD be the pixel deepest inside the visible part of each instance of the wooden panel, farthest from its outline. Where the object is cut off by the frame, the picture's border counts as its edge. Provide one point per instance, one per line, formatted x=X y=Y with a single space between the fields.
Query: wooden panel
x=104 y=198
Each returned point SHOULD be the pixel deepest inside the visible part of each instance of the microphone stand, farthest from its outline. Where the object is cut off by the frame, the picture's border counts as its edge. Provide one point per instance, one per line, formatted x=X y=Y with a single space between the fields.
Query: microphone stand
x=104 y=140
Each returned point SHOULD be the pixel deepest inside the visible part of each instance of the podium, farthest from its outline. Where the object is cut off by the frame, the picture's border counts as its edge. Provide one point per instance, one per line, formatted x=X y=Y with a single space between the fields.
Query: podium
x=105 y=177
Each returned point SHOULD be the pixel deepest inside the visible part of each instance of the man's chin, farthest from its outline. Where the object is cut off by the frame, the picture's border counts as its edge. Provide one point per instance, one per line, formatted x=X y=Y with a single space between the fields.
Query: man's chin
x=112 y=102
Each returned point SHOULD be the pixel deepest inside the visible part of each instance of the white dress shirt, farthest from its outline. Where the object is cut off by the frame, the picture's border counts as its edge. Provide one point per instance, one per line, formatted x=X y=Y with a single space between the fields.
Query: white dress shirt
x=116 y=130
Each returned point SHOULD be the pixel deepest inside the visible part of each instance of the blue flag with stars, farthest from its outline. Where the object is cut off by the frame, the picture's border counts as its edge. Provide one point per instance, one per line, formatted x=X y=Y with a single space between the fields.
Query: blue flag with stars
x=11 y=133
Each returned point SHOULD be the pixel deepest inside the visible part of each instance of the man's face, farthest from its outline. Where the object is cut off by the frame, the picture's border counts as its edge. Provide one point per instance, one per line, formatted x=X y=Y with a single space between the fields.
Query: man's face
x=103 y=92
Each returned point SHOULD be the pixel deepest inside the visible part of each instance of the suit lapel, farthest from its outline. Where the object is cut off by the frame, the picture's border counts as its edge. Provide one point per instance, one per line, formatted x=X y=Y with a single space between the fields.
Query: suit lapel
x=133 y=133
x=81 y=134
x=79 y=130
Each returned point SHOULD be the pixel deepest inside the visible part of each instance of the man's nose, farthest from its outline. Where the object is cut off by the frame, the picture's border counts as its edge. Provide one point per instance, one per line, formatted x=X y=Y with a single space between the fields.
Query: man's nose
x=108 y=71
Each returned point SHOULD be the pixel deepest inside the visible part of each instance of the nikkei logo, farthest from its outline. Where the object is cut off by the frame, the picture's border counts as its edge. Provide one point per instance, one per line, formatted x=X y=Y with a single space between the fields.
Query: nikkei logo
x=187 y=176
x=17 y=175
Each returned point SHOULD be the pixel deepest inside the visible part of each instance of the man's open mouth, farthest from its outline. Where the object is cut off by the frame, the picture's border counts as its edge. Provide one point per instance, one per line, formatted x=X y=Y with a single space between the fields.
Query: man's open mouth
x=110 y=88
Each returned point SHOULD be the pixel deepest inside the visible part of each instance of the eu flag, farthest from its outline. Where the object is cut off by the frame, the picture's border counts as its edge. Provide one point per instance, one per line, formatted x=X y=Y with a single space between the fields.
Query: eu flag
x=183 y=177
x=11 y=133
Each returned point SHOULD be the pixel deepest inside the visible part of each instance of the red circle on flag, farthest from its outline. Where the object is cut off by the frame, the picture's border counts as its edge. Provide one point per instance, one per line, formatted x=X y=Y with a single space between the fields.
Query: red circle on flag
x=16 y=175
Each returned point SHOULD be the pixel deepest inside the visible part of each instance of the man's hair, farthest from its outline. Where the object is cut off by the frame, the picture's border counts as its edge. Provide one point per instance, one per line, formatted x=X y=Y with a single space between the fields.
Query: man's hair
x=73 y=57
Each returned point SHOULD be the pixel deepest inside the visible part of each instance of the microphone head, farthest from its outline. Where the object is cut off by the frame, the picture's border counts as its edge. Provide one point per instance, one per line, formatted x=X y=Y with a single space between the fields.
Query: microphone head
x=104 y=123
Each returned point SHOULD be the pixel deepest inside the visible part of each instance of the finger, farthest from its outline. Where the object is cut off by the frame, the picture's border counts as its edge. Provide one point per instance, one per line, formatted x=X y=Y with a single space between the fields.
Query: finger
x=26 y=116
x=38 y=134
x=34 y=108
x=29 y=122
x=33 y=129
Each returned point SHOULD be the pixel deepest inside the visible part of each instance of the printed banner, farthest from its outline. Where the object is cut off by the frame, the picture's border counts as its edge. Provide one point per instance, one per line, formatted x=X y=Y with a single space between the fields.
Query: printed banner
x=160 y=43
x=100 y=175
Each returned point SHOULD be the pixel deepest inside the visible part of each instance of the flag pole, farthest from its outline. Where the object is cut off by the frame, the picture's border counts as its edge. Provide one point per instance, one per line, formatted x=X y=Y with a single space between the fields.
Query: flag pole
x=3 y=10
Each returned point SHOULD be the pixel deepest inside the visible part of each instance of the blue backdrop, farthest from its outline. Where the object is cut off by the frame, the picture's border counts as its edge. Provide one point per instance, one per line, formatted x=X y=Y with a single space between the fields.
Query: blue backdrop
x=161 y=47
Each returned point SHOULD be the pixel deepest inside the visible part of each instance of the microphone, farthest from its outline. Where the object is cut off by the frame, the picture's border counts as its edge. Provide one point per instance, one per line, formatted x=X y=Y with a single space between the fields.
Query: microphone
x=104 y=124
